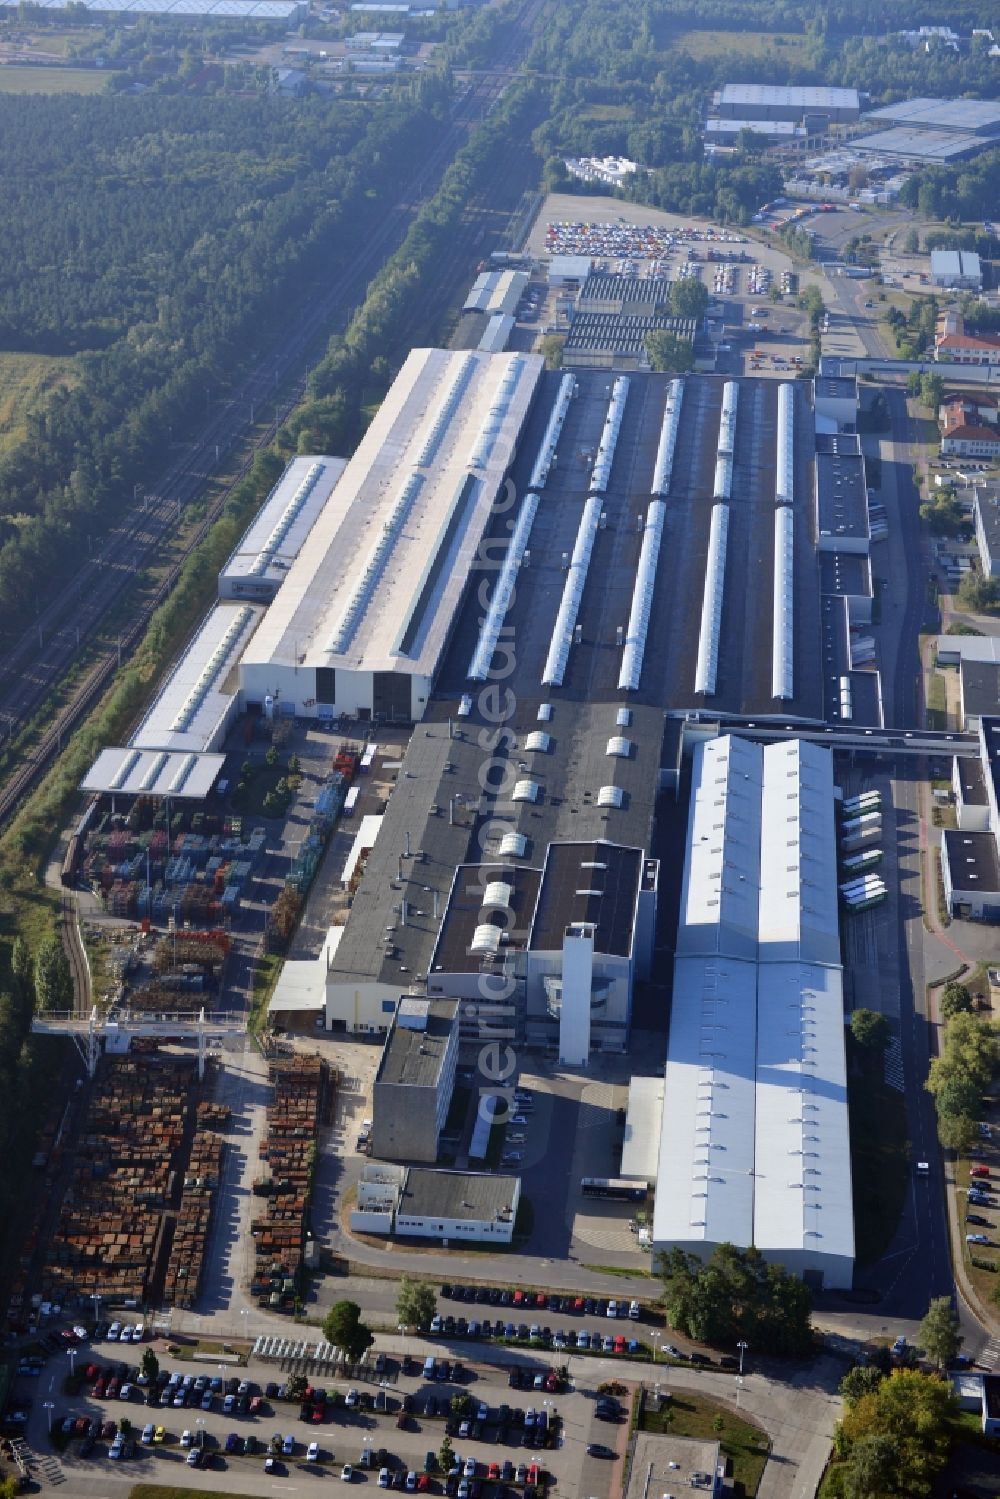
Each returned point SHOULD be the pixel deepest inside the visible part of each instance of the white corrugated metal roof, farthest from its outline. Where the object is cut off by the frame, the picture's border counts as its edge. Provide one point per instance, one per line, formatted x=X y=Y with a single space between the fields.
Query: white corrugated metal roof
x=704 y=1187
x=755 y=1127
x=190 y=710
x=432 y=419
x=275 y=538
x=798 y=917
x=182 y=776
x=802 y=1149
x=785 y=96
x=721 y=872
x=643 y=1125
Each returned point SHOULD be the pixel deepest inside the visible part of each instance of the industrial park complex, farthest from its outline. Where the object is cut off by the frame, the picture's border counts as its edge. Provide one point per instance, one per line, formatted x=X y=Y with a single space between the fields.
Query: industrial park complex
x=536 y=577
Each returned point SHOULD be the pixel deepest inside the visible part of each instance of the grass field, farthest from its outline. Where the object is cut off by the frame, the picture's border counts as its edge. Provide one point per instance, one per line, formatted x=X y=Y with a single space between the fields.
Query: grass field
x=698 y=44
x=167 y=1491
x=23 y=80
x=745 y=1447
x=24 y=380
x=879 y=1159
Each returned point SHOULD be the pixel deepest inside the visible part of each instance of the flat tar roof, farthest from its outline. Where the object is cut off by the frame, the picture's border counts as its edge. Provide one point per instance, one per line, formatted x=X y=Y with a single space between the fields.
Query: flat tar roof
x=457 y=1194
x=470 y=907
x=388 y=558
x=989 y=734
x=414 y=1058
x=672 y=1465
x=972 y=781
x=972 y=860
x=980 y=687
x=840 y=387
x=841 y=491
x=847 y=574
x=595 y=883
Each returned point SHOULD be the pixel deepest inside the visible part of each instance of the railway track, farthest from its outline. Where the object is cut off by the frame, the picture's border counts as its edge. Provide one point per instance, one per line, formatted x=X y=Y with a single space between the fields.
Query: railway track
x=73 y=947
x=30 y=669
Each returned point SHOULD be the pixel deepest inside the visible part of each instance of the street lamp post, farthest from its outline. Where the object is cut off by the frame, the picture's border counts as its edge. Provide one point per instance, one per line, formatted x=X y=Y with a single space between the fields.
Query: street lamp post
x=742 y=1348
x=96 y=1299
x=48 y=1406
x=71 y=1352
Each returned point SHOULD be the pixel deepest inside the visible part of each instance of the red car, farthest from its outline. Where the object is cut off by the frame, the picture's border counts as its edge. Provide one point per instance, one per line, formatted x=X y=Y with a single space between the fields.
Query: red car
x=552 y=1381
x=533 y=1474
x=423 y=1483
x=578 y=1305
x=980 y=1171
x=99 y=1388
x=316 y=1414
x=619 y=1344
x=518 y=1298
x=494 y=1470
x=540 y=1300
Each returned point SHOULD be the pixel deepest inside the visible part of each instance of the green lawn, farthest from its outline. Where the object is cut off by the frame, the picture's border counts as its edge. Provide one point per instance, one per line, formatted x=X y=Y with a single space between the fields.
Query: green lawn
x=28 y=80
x=744 y=1445
x=25 y=379
x=880 y=1162
x=167 y=1491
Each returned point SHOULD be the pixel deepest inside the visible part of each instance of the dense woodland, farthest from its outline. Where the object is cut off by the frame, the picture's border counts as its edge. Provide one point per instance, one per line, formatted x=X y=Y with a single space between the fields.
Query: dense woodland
x=162 y=239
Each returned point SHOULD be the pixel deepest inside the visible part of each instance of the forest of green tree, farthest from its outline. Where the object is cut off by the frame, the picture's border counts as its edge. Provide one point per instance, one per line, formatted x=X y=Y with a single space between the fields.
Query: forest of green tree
x=161 y=239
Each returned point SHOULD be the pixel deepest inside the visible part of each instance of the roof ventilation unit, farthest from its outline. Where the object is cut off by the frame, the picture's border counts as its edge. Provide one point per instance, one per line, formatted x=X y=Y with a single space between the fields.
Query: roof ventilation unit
x=547 y=451
x=489 y=632
x=576 y=577
x=711 y=608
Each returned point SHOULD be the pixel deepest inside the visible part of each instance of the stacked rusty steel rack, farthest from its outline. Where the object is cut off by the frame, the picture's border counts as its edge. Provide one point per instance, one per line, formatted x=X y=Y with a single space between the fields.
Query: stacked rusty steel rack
x=289 y=1147
x=112 y=1218
x=186 y=1263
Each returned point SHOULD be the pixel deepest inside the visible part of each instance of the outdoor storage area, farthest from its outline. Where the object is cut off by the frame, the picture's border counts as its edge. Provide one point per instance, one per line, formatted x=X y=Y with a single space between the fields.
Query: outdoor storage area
x=136 y=1214
x=289 y=1148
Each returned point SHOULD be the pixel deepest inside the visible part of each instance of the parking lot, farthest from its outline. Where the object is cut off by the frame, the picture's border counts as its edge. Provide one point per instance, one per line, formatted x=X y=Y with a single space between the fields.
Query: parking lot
x=508 y=1427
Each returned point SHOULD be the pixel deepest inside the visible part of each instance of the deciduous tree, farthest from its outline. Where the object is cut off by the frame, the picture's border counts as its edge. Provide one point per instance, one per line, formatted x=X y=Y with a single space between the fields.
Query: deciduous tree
x=941 y=1332
x=344 y=1328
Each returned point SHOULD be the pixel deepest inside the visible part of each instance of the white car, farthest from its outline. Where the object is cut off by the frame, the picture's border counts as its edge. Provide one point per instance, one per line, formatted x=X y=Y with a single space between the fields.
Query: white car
x=351 y=1399
x=186 y=1439
x=114 y=1332
x=347 y=1473
x=312 y=1452
x=384 y=1481
x=470 y=1467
